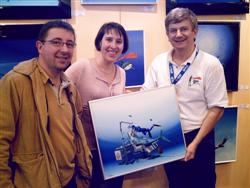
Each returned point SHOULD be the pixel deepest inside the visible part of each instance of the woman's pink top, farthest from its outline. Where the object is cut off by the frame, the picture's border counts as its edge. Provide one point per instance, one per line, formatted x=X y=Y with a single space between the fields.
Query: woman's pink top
x=91 y=84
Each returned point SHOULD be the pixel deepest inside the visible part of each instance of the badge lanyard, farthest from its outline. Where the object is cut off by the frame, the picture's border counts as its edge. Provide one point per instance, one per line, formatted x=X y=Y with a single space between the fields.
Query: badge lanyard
x=183 y=70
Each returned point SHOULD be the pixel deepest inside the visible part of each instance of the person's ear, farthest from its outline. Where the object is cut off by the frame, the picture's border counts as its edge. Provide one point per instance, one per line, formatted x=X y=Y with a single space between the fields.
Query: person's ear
x=39 y=45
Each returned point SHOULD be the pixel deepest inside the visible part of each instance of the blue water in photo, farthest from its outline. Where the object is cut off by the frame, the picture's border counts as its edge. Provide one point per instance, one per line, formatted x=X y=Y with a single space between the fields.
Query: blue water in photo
x=133 y=64
x=138 y=130
x=13 y=51
x=221 y=39
x=226 y=135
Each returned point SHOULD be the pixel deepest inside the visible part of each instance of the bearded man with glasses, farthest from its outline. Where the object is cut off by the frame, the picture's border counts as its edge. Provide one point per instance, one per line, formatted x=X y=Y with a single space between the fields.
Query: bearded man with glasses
x=42 y=141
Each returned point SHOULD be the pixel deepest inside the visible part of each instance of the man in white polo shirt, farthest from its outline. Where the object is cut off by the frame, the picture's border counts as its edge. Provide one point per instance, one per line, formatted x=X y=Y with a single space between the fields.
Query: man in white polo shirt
x=200 y=86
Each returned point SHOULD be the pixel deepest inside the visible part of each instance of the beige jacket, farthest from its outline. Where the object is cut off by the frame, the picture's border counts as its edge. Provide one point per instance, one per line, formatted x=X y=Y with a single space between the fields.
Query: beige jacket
x=27 y=157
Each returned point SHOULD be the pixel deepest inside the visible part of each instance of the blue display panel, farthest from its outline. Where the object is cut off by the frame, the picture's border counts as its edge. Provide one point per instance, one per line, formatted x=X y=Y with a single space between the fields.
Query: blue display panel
x=118 y=1
x=29 y=2
x=17 y=46
x=133 y=60
x=221 y=39
x=207 y=1
x=226 y=136
x=208 y=7
x=35 y=9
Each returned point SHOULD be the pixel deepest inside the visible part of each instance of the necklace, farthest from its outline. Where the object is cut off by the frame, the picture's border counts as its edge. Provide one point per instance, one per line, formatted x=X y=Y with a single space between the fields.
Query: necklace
x=105 y=70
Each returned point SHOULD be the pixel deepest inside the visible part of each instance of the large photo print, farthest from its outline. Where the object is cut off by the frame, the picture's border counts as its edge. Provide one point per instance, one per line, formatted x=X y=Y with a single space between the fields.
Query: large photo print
x=138 y=130
x=133 y=60
x=226 y=136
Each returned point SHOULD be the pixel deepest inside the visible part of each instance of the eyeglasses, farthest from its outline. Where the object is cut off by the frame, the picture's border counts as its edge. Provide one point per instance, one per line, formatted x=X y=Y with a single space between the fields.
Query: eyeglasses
x=173 y=31
x=59 y=43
